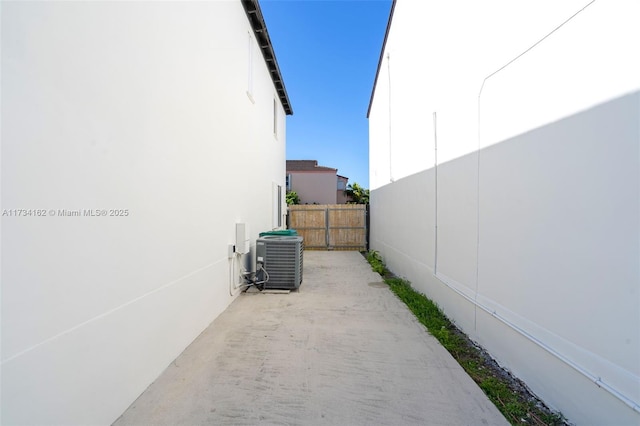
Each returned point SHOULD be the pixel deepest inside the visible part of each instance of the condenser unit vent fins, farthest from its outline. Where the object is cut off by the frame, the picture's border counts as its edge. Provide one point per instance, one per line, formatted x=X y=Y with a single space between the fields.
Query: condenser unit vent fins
x=282 y=259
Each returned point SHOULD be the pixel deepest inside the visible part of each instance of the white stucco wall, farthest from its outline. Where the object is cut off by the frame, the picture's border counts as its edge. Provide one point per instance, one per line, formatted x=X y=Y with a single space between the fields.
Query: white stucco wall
x=537 y=248
x=433 y=44
x=123 y=105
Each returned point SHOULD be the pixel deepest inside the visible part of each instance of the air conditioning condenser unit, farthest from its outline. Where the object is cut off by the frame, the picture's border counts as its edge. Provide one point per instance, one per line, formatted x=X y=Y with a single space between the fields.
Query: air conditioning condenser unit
x=279 y=261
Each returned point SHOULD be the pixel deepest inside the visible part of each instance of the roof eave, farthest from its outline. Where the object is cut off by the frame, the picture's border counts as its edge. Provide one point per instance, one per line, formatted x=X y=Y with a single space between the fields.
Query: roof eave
x=384 y=45
x=259 y=27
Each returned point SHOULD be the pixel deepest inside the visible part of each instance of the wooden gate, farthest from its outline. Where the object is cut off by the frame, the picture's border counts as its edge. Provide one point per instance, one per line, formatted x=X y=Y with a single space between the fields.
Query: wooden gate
x=330 y=226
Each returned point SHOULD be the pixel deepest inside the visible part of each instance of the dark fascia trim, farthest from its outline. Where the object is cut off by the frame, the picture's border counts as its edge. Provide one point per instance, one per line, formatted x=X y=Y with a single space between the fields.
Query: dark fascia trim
x=259 y=27
x=384 y=44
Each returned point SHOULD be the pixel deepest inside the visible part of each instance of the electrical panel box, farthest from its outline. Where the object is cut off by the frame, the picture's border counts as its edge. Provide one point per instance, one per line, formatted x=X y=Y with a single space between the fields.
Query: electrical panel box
x=243 y=244
x=279 y=261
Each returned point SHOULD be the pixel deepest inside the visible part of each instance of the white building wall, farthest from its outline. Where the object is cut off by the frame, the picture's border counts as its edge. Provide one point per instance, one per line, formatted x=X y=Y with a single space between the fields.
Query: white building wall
x=123 y=105
x=526 y=233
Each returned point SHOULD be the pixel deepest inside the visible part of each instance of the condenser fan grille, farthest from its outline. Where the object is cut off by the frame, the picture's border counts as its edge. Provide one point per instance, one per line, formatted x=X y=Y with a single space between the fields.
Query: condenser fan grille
x=281 y=258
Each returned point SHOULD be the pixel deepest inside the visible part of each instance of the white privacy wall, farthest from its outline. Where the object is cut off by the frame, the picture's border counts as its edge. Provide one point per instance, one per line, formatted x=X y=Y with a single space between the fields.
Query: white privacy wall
x=140 y=106
x=527 y=231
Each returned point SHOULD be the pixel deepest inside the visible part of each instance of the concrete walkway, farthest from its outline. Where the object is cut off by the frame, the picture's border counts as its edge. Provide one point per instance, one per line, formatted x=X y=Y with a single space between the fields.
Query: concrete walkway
x=343 y=350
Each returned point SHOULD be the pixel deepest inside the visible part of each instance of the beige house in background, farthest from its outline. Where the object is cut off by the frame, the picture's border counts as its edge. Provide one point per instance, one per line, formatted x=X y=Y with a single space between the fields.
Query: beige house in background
x=316 y=184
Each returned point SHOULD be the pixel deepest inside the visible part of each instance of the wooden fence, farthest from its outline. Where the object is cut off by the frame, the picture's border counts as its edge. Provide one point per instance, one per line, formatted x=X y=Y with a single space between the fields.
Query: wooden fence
x=330 y=226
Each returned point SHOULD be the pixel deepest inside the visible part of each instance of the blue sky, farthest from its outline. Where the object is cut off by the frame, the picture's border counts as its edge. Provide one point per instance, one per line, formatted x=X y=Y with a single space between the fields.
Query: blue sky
x=328 y=54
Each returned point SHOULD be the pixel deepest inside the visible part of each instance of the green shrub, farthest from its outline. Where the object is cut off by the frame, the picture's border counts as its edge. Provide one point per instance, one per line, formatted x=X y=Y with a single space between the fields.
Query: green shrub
x=375 y=260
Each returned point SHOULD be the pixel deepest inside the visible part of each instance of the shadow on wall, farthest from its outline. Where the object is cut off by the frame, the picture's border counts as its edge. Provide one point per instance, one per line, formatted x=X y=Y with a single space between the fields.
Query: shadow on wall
x=532 y=235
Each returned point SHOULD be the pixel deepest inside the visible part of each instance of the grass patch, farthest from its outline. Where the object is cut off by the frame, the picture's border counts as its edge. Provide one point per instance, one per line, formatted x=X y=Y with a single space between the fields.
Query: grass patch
x=375 y=260
x=510 y=395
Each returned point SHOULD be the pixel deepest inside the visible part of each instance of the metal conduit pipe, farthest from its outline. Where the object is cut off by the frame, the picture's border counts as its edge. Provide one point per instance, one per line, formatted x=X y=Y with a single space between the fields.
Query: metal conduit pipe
x=391 y=179
x=435 y=171
x=596 y=380
x=635 y=406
